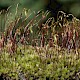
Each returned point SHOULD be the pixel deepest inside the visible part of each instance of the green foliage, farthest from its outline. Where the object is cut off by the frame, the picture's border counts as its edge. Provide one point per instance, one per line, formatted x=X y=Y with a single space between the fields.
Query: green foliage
x=35 y=65
x=40 y=62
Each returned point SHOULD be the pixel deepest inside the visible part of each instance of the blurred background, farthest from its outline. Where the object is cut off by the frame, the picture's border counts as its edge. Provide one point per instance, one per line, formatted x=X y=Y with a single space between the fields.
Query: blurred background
x=68 y=6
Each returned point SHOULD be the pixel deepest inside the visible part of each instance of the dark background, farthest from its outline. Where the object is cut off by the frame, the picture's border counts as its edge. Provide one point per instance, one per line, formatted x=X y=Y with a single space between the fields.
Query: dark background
x=68 y=6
